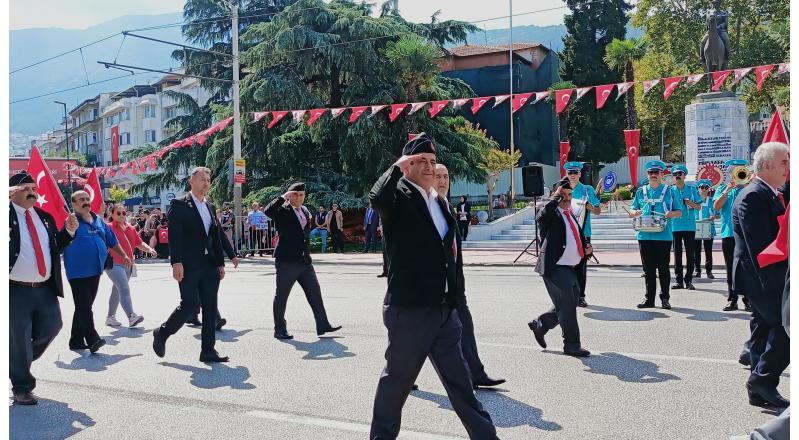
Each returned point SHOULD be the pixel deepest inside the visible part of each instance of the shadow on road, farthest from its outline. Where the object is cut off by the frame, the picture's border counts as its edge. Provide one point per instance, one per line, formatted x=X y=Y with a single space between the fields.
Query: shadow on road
x=626 y=368
x=47 y=420
x=94 y=363
x=603 y=313
x=226 y=335
x=124 y=332
x=218 y=376
x=505 y=412
x=711 y=316
x=323 y=349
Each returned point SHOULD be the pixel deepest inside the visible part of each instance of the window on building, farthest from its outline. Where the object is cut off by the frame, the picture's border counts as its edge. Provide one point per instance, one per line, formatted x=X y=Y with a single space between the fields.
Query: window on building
x=149 y=111
x=149 y=135
x=124 y=138
x=170 y=112
x=95 y=113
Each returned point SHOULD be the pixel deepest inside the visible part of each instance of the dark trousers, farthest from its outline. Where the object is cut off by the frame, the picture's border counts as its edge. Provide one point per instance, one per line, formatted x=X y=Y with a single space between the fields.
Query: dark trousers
x=34 y=320
x=468 y=342
x=256 y=241
x=287 y=273
x=371 y=238
x=685 y=238
x=196 y=315
x=416 y=333
x=769 y=351
x=84 y=291
x=198 y=289
x=708 y=245
x=582 y=274
x=655 y=259
x=463 y=227
x=385 y=259
x=564 y=290
x=728 y=249
x=337 y=240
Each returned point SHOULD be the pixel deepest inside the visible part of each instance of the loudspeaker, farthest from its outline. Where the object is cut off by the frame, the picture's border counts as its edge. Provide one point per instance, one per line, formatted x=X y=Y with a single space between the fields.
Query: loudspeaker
x=533 y=180
x=587 y=174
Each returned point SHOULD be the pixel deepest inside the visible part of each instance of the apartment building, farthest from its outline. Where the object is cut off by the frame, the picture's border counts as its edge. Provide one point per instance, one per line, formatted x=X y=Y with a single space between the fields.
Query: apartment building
x=87 y=134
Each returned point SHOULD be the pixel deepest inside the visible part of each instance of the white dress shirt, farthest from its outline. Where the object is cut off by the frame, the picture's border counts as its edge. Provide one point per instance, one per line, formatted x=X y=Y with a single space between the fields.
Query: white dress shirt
x=776 y=192
x=299 y=212
x=205 y=213
x=431 y=200
x=571 y=254
x=25 y=269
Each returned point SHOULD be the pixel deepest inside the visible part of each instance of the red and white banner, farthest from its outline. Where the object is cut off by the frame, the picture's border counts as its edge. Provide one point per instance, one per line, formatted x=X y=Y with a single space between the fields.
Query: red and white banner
x=671 y=85
x=356 y=113
x=478 y=103
x=622 y=88
x=115 y=144
x=49 y=196
x=776 y=130
x=257 y=116
x=739 y=74
x=564 y=156
x=315 y=115
x=396 y=110
x=336 y=112
x=719 y=78
x=580 y=92
x=649 y=83
x=540 y=95
x=436 y=107
x=416 y=106
x=691 y=80
x=519 y=100
x=500 y=99
x=562 y=99
x=761 y=73
x=457 y=103
x=276 y=117
x=632 y=138
x=92 y=187
x=602 y=94
x=783 y=69
x=376 y=109
x=297 y=115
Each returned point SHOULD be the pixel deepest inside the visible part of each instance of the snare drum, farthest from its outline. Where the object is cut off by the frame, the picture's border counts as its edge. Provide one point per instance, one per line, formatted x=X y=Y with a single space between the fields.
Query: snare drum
x=649 y=223
x=703 y=230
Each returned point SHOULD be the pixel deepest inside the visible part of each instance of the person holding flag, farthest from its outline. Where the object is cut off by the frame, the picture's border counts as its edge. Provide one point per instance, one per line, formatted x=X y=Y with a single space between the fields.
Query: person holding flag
x=584 y=202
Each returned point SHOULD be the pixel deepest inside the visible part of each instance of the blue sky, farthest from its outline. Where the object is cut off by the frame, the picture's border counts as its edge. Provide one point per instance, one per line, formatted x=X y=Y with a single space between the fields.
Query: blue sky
x=80 y=14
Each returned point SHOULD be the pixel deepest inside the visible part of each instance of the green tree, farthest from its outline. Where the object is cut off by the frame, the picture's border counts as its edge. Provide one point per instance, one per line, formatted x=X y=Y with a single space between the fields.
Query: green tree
x=494 y=163
x=619 y=56
x=118 y=195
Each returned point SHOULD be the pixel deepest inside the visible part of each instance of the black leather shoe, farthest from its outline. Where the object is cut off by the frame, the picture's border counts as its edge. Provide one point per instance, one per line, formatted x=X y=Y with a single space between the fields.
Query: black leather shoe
x=646 y=305
x=283 y=335
x=690 y=286
x=577 y=352
x=213 y=357
x=698 y=274
x=581 y=303
x=221 y=323
x=382 y=275
x=487 y=382
x=760 y=394
x=80 y=346
x=194 y=321
x=731 y=305
x=744 y=359
x=25 y=398
x=330 y=329
x=710 y=275
x=538 y=332
x=665 y=304
x=96 y=346
x=159 y=343
x=414 y=387
x=678 y=286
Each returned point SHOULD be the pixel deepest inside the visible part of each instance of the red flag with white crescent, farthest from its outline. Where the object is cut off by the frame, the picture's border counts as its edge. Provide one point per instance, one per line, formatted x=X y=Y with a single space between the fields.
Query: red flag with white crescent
x=416 y=106
x=602 y=94
x=49 y=196
x=778 y=250
x=622 y=88
x=95 y=192
x=396 y=110
x=115 y=143
x=436 y=108
x=776 y=130
x=632 y=138
x=478 y=103
x=719 y=78
x=276 y=117
x=499 y=99
x=581 y=92
x=564 y=156
x=649 y=83
x=356 y=113
x=315 y=115
x=739 y=74
x=519 y=100
x=562 y=99
x=670 y=85
x=693 y=79
x=761 y=73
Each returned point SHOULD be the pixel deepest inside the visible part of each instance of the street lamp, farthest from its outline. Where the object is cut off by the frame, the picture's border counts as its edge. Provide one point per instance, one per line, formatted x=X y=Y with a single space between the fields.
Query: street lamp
x=66 y=141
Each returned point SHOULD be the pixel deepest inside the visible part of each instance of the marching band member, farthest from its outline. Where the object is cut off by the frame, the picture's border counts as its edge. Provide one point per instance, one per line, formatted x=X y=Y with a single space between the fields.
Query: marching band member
x=584 y=203
x=655 y=203
x=706 y=213
x=684 y=228
x=722 y=203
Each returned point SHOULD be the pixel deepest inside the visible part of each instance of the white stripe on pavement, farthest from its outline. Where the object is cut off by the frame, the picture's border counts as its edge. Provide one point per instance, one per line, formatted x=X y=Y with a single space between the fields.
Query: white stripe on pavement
x=337 y=424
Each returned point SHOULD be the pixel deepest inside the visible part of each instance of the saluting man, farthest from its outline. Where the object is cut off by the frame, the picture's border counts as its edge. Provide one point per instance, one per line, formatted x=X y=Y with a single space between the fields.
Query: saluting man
x=657 y=200
x=684 y=228
x=34 y=274
x=584 y=203
x=723 y=201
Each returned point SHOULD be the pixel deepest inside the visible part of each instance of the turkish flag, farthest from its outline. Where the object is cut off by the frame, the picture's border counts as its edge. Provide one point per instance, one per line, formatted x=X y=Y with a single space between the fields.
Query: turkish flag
x=276 y=117
x=761 y=73
x=562 y=99
x=778 y=250
x=396 y=110
x=315 y=115
x=50 y=199
x=437 y=107
x=671 y=84
x=356 y=113
x=477 y=103
x=95 y=193
x=719 y=78
x=632 y=138
x=602 y=94
x=564 y=156
x=520 y=100
x=115 y=144
x=776 y=130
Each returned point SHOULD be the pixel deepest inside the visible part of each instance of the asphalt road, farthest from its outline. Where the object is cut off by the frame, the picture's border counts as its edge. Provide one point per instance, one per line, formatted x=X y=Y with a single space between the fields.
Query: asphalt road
x=654 y=374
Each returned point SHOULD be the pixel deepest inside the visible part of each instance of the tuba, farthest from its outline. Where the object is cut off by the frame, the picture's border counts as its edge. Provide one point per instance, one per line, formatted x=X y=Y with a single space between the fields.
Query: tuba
x=740 y=175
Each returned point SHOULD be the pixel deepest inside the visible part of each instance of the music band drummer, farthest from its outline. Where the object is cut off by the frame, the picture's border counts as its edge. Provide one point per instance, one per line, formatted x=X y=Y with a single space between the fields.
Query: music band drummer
x=683 y=228
x=653 y=205
x=584 y=203
x=705 y=223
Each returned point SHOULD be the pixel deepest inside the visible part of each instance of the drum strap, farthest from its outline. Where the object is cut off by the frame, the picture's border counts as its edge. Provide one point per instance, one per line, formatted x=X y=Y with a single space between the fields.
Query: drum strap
x=652 y=202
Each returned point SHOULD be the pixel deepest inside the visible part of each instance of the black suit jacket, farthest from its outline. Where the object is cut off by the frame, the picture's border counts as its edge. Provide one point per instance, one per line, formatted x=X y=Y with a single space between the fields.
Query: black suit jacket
x=467 y=208
x=188 y=242
x=552 y=230
x=422 y=267
x=293 y=243
x=754 y=223
x=375 y=221
x=59 y=240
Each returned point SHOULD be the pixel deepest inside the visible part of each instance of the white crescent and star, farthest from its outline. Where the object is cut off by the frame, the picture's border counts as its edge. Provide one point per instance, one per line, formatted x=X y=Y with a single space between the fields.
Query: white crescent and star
x=632 y=150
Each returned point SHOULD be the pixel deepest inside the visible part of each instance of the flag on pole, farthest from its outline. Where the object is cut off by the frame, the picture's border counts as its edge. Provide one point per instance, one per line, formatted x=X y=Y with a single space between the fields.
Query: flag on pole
x=114 y=144
x=776 y=130
x=49 y=196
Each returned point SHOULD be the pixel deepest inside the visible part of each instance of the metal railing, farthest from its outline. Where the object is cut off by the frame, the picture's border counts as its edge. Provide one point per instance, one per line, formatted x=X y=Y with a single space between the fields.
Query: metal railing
x=260 y=239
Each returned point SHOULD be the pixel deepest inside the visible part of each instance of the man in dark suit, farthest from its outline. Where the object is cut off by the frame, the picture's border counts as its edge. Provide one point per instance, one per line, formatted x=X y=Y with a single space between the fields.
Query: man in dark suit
x=197 y=249
x=370 y=223
x=34 y=272
x=419 y=306
x=563 y=252
x=755 y=225
x=293 y=260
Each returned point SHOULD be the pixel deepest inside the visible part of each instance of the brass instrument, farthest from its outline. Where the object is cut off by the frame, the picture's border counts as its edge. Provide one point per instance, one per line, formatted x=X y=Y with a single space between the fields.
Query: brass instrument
x=740 y=175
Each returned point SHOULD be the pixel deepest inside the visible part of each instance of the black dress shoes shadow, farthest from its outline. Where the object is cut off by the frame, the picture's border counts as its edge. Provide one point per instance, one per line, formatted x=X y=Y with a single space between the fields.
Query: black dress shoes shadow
x=213 y=357
x=765 y=397
x=538 y=332
x=665 y=305
x=329 y=329
x=25 y=398
x=731 y=305
x=96 y=346
x=283 y=334
x=576 y=352
x=221 y=323
x=646 y=305
x=690 y=286
x=159 y=343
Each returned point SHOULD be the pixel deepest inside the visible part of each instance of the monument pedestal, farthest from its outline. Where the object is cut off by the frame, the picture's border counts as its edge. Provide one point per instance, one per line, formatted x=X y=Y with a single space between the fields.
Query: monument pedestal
x=716 y=130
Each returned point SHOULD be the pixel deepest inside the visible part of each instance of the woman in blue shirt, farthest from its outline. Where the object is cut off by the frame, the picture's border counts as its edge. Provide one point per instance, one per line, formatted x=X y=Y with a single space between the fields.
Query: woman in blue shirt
x=706 y=213
x=656 y=200
x=84 y=261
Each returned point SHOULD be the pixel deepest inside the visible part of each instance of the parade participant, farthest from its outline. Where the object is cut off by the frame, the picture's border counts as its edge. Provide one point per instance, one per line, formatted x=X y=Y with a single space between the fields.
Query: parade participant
x=84 y=261
x=706 y=213
x=683 y=228
x=584 y=203
x=755 y=226
x=197 y=249
x=120 y=273
x=293 y=260
x=370 y=223
x=34 y=273
x=423 y=260
x=320 y=227
x=655 y=200
x=723 y=201
x=564 y=250
x=468 y=342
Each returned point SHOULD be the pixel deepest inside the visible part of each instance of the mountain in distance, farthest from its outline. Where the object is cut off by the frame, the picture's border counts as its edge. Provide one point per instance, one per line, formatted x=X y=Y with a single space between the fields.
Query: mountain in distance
x=549 y=36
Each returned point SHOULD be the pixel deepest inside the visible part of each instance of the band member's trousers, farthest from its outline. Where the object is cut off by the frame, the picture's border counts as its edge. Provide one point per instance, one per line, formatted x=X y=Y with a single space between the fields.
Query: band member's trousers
x=655 y=259
x=684 y=238
x=198 y=289
x=708 y=245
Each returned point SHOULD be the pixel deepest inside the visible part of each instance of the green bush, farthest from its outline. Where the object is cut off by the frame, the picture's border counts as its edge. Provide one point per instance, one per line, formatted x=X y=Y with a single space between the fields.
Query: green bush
x=624 y=193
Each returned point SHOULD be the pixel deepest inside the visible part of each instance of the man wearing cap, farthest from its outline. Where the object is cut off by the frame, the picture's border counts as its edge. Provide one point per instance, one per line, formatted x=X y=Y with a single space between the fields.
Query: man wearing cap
x=723 y=201
x=683 y=228
x=293 y=260
x=564 y=251
x=419 y=306
x=658 y=200
x=584 y=203
x=706 y=213
x=34 y=272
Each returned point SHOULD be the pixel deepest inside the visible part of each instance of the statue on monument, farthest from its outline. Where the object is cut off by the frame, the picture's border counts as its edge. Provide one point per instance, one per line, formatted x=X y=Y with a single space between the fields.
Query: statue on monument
x=714 y=50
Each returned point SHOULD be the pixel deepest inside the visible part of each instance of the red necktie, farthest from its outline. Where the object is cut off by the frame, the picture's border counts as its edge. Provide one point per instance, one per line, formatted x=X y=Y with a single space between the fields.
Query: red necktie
x=37 y=247
x=576 y=234
x=781 y=199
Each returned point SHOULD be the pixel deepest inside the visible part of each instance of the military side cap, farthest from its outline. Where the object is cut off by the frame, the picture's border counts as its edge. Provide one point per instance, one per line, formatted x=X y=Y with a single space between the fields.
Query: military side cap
x=704 y=182
x=678 y=168
x=299 y=186
x=655 y=165
x=736 y=162
x=20 y=178
x=418 y=145
x=569 y=166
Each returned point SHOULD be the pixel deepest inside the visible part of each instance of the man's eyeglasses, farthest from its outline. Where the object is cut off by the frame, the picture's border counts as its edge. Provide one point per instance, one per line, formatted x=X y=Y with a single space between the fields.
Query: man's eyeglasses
x=678 y=174
x=572 y=172
x=653 y=172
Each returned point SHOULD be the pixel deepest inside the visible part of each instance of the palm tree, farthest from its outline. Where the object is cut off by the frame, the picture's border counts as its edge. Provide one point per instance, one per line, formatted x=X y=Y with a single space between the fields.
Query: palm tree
x=563 y=117
x=619 y=55
x=414 y=60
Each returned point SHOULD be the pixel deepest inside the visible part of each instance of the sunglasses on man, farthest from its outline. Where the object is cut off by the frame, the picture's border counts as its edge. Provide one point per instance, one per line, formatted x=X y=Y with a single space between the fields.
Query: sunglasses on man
x=572 y=172
x=653 y=172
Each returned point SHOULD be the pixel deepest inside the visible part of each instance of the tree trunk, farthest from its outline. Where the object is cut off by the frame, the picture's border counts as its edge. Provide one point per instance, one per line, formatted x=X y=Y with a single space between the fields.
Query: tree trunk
x=335 y=102
x=632 y=115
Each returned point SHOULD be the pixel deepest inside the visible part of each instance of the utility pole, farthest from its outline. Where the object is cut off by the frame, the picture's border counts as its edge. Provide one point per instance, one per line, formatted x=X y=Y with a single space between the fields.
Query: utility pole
x=510 y=105
x=234 y=42
x=66 y=141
